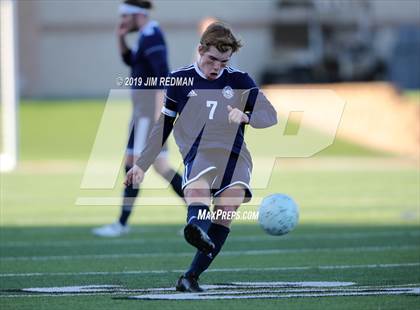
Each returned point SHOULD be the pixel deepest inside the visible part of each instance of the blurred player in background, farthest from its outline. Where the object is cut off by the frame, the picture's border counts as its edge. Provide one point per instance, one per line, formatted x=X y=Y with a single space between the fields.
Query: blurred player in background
x=148 y=59
x=210 y=119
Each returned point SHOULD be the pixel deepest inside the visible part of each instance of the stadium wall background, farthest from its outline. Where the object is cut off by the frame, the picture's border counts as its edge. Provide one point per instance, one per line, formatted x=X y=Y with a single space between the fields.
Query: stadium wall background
x=67 y=49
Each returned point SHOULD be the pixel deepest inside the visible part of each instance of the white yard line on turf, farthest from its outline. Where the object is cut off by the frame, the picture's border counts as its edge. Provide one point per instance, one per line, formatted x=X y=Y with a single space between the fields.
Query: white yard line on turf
x=178 y=239
x=225 y=253
x=207 y=287
x=229 y=291
x=189 y=296
x=254 y=269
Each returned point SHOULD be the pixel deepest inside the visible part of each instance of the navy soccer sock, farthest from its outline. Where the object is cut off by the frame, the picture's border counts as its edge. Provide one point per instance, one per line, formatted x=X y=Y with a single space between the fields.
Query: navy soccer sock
x=176 y=182
x=196 y=209
x=218 y=234
x=130 y=195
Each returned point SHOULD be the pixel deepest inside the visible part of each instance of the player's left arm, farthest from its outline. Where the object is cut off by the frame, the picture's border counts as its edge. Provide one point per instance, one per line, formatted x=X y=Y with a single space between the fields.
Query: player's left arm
x=260 y=111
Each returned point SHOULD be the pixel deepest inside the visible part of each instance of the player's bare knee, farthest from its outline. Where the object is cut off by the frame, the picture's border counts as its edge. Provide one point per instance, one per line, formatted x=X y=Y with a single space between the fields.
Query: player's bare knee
x=193 y=195
x=232 y=196
x=198 y=191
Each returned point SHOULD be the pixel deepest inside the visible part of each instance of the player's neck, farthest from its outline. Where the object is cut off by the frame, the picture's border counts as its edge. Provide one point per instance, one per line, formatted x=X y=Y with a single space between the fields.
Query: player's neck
x=200 y=71
x=144 y=24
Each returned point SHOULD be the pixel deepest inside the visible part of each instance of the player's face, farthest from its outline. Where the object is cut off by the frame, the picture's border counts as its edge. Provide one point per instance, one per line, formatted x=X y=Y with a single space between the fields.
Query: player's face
x=140 y=20
x=128 y=21
x=213 y=61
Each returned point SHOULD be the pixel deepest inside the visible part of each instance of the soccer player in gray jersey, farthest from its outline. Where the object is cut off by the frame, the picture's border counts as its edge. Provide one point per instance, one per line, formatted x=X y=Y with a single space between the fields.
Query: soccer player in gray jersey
x=147 y=59
x=211 y=116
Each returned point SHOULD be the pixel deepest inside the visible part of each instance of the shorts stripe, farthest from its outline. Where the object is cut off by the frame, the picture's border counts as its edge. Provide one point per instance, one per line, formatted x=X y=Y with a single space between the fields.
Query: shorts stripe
x=197 y=176
x=184 y=176
x=168 y=112
x=230 y=185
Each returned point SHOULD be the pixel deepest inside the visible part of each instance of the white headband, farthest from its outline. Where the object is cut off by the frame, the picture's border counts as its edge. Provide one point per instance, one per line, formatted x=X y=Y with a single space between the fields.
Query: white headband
x=132 y=9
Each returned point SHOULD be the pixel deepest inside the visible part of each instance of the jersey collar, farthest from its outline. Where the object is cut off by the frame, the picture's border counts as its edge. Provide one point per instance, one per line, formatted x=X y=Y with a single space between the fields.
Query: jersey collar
x=200 y=73
x=148 y=29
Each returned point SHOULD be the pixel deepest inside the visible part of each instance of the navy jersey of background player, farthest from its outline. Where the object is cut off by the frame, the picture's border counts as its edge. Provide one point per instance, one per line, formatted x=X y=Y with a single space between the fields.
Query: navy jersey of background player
x=203 y=110
x=149 y=59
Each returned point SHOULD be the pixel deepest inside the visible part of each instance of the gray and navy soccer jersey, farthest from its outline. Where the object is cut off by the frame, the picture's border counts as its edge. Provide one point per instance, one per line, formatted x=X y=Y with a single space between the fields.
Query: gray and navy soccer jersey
x=149 y=59
x=206 y=103
x=201 y=109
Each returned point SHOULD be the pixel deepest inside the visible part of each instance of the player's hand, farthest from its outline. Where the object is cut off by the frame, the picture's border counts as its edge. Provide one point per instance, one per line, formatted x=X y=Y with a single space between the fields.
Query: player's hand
x=122 y=29
x=134 y=176
x=236 y=116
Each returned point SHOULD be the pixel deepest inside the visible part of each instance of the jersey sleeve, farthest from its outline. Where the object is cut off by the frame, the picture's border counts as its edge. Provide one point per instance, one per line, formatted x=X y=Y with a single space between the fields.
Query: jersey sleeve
x=258 y=108
x=156 y=53
x=133 y=56
x=158 y=136
x=158 y=60
x=127 y=57
x=170 y=105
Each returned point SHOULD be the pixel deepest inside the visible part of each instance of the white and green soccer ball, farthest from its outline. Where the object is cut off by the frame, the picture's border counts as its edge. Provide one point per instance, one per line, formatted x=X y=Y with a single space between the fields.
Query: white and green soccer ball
x=278 y=214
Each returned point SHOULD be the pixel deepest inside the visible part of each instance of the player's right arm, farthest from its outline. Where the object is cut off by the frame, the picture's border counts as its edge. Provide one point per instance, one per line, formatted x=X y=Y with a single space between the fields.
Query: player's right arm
x=160 y=133
x=158 y=136
x=125 y=51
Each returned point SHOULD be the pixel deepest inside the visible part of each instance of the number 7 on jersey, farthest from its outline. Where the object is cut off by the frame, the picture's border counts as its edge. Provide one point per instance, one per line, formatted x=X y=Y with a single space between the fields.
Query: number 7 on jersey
x=212 y=105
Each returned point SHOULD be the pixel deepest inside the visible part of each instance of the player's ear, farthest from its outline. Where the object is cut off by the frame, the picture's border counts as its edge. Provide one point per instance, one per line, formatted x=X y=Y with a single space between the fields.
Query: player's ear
x=201 y=49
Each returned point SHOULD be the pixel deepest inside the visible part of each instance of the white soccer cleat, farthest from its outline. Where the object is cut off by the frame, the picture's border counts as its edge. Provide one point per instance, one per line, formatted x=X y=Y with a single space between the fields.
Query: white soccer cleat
x=111 y=230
